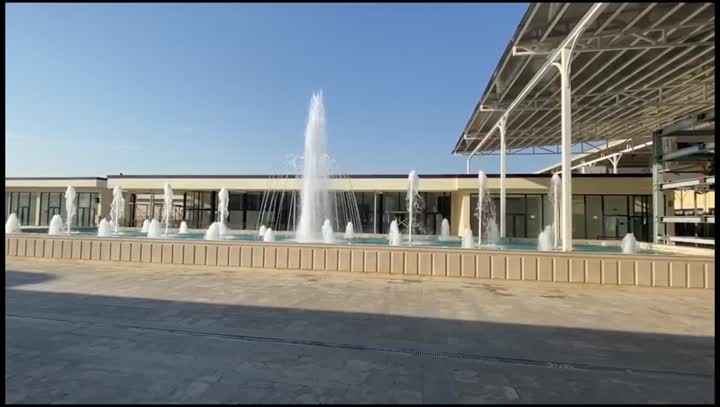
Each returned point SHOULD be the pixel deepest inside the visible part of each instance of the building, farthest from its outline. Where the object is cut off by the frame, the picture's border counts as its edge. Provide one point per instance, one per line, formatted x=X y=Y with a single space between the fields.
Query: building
x=604 y=206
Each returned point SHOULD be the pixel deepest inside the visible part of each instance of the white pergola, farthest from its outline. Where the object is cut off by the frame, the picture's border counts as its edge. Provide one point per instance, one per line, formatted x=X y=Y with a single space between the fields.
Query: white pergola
x=635 y=68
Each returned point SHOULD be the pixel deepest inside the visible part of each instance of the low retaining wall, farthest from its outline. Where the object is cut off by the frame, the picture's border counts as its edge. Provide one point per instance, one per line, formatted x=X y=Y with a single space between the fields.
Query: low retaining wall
x=596 y=268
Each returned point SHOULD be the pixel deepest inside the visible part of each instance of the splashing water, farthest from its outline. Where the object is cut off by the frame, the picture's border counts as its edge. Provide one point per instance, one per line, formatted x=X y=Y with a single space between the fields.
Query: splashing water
x=487 y=226
x=167 y=206
x=493 y=234
x=269 y=235
x=154 y=229
x=145 y=226
x=224 y=201
x=327 y=232
x=314 y=197
x=554 y=195
x=394 y=235
x=13 y=224
x=629 y=244
x=117 y=207
x=183 y=227
x=467 y=239
x=414 y=200
x=56 y=225
x=213 y=232
x=444 y=230
x=349 y=231
x=104 y=228
x=70 y=196
x=261 y=231
x=545 y=239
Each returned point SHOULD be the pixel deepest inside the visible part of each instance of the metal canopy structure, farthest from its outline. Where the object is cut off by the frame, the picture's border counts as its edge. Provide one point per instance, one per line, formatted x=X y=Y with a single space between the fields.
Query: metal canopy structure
x=636 y=68
x=623 y=70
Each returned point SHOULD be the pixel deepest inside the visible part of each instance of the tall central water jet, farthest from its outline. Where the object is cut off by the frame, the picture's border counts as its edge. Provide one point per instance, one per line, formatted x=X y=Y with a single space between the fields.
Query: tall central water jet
x=117 y=207
x=167 y=207
x=413 y=200
x=314 y=197
x=70 y=196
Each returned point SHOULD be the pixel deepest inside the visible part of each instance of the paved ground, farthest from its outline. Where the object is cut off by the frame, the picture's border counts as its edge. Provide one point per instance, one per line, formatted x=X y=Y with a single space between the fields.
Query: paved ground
x=110 y=333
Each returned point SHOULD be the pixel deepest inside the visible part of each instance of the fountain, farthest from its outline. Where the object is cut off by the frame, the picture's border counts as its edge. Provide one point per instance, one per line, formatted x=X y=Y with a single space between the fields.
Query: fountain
x=56 y=225
x=70 y=196
x=545 y=239
x=486 y=213
x=394 y=235
x=629 y=244
x=183 y=227
x=467 y=239
x=349 y=231
x=223 y=202
x=493 y=234
x=13 y=224
x=269 y=235
x=213 y=232
x=168 y=206
x=262 y=230
x=444 y=230
x=117 y=207
x=105 y=228
x=414 y=200
x=314 y=197
x=327 y=232
x=554 y=195
x=145 y=225
x=154 y=229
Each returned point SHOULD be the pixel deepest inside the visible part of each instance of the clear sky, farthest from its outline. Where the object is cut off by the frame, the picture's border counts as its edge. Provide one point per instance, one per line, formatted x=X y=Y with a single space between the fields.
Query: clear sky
x=224 y=89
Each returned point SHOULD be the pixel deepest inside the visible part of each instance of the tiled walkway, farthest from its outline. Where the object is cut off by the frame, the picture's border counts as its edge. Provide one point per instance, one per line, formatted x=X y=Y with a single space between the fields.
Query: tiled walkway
x=111 y=333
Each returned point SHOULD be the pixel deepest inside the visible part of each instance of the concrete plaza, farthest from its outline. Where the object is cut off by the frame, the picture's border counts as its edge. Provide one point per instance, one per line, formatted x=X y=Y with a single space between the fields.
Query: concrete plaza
x=104 y=333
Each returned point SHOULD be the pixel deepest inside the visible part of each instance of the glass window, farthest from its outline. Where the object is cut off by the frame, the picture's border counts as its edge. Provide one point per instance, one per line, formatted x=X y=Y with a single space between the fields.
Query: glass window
x=22 y=204
x=534 y=215
x=578 y=212
x=616 y=204
x=594 y=217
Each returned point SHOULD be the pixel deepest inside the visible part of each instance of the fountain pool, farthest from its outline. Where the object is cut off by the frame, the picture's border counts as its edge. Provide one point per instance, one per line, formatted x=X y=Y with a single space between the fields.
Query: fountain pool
x=339 y=239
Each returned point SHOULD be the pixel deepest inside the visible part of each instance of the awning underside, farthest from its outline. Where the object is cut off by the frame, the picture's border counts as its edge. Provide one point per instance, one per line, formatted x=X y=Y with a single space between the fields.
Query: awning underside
x=638 y=67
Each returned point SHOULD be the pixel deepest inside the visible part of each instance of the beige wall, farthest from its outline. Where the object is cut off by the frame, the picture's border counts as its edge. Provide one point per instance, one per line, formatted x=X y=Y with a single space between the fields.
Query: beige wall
x=595 y=185
x=676 y=271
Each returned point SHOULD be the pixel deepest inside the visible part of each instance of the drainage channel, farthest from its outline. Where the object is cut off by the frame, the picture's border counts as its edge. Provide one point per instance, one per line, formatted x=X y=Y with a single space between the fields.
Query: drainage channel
x=498 y=360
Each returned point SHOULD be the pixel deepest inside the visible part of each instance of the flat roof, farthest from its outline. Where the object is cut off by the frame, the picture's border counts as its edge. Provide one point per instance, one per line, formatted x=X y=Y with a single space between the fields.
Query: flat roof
x=636 y=68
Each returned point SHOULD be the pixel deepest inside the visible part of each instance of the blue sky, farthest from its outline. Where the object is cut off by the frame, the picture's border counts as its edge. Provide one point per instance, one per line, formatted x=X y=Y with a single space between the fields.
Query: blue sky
x=224 y=88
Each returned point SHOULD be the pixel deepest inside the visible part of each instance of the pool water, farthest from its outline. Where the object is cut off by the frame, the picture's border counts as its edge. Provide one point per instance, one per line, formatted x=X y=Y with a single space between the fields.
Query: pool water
x=423 y=241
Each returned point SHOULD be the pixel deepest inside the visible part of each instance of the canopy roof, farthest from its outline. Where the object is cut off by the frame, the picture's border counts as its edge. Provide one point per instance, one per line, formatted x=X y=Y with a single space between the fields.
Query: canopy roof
x=635 y=68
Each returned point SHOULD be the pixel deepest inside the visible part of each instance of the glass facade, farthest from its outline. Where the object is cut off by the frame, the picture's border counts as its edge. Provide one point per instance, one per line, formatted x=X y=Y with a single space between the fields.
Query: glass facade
x=22 y=204
x=594 y=216
x=150 y=206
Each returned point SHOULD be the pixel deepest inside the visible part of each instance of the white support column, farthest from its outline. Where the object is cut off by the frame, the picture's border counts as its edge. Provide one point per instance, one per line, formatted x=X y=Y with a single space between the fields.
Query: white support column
x=566 y=129
x=503 y=165
x=467 y=165
x=614 y=160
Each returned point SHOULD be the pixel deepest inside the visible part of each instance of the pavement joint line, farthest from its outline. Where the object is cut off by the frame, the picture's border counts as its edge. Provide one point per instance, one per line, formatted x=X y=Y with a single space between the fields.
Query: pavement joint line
x=358 y=347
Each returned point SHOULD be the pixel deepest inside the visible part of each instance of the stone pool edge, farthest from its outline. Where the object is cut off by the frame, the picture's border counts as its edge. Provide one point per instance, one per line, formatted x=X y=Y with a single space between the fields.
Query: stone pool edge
x=656 y=270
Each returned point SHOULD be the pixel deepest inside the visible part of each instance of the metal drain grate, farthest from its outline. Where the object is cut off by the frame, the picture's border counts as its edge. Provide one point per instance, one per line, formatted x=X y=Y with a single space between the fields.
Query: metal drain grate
x=356 y=347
